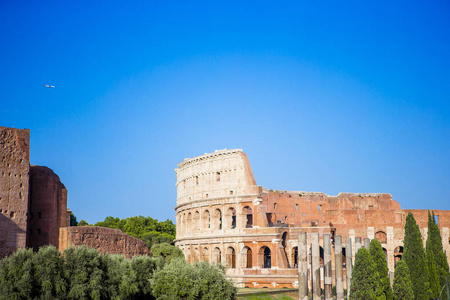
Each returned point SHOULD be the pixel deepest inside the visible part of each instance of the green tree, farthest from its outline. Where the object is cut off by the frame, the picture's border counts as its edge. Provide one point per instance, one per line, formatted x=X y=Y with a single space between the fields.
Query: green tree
x=73 y=219
x=180 y=280
x=166 y=251
x=379 y=258
x=434 y=245
x=49 y=273
x=83 y=272
x=17 y=280
x=414 y=257
x=365 y=277
x=403 y=288
x=83 y=223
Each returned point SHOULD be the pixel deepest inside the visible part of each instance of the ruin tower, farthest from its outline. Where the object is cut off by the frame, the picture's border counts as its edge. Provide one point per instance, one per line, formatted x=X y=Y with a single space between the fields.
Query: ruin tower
x=14 y=180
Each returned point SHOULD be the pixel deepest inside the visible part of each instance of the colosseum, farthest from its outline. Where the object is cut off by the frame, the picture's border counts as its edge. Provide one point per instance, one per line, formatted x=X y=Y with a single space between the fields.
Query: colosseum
x=223 y=216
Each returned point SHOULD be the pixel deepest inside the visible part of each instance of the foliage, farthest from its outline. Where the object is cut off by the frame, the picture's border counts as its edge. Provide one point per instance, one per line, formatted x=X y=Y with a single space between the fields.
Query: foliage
x=403 y=289
x=434 y=245
x=73 y=219
x=180 y=280
x=379 y=258
x=365 y=283
x=49 y=273
x=150 y=230
x=166 y=251
x=414 y=257
x=83 y=223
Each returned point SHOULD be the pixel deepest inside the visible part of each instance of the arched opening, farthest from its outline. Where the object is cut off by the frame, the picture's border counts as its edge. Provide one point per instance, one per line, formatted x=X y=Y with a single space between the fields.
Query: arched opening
x=248 y=216
x=206 y=219
x=284 y=237
x=295 y=257
x=231 y=257
x=189 y=222
x=217 y=257
x=247 y=257
x=196 y=254
x=398 y=253
x=381 y=236
x=232 y=217
x=267 y=259
x=205 y=254
x=344 y=258
x=218 y=219
x=188 y=254
x=197 y=224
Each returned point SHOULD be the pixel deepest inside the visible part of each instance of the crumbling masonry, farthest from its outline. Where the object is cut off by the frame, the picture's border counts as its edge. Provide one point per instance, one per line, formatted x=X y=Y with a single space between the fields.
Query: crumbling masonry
x=222 y=215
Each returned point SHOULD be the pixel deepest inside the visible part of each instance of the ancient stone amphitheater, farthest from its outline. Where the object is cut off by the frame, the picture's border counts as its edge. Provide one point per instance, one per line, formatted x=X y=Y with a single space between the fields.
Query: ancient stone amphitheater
x=223 y=216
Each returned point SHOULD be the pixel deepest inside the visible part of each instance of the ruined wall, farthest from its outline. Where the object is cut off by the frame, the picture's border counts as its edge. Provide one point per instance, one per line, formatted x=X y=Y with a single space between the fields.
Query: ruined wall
x=105 y=240
x=48 y=207
x=14 y=168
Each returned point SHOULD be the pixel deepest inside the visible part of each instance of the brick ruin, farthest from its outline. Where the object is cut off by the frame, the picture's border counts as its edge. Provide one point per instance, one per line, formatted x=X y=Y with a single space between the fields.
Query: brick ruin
x=33 y=206
x=222 y=215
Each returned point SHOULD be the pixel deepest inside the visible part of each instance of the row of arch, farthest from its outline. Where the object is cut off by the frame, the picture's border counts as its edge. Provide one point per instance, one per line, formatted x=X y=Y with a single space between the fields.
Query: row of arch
x=215 y=220
x=264 y=257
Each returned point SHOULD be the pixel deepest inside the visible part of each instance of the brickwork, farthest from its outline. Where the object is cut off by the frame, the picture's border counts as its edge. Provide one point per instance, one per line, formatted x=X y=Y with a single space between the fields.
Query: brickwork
x=223 y=216
x=105 y=240
x=14 y=169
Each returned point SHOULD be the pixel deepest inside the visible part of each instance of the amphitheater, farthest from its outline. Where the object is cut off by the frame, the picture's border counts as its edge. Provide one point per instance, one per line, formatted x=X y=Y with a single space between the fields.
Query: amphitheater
x=222 y=215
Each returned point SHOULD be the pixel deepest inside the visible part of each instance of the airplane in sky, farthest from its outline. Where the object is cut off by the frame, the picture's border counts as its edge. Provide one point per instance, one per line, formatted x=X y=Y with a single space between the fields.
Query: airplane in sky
x=49 y=86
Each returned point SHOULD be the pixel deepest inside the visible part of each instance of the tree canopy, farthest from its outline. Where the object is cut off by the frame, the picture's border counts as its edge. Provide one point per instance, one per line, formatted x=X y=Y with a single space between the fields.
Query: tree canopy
x=379 y=258
x=403 y=289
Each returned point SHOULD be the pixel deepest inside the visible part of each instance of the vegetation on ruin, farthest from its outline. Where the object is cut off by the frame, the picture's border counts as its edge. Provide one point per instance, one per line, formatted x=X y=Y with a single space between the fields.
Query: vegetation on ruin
x=166 y=251
x=147 y=229
x=365 y=278
x=414 y=257
x=379 y=258
x=83 y=273
x=435 y=255
x=403 y=289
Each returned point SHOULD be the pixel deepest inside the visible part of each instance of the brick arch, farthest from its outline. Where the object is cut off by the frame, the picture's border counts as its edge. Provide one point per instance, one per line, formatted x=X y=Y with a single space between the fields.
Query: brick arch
x=231 y=217
x=231 y=257
x=248 y=216
x=218 y=219
x=381 y=236
x=265 y=257
x=398 y=254
x=206 y=219
x=247 y=257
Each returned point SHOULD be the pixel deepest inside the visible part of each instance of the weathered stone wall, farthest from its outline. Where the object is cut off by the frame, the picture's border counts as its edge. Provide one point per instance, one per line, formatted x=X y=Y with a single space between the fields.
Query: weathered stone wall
x=105 y=240
x=223 y=216
x=48 y=207
x=14 y=169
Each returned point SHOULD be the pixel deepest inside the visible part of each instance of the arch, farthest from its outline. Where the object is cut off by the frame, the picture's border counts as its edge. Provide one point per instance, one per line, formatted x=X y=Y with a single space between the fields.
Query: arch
x=381 y=236
x=196 y=254
x=218 y=218
x=188 y=254
x=248 y=216
x=231 y=217
x=267 y=257
x=189 y=222
x=398 y=254
x=247 y=257
x=231 y=257
x=206 y=219
x=217 y=256
x=197 y=224
x=295 y=257
x=205 y=254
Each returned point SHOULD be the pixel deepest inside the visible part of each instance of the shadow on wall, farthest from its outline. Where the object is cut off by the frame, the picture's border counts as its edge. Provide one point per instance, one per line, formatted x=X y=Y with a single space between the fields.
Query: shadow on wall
x=12 y=236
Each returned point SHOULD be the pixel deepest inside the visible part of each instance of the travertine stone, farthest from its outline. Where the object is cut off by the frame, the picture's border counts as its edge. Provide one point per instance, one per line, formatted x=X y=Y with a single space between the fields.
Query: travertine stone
x=357 y=244
x=302 y=267
x=327 y=266
x=338 y=266
x=366 y=243
x=348 y=264
x=315 y=253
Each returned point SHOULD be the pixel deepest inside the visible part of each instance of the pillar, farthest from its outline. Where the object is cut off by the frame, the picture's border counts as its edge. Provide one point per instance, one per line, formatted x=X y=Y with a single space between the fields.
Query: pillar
x=338 y=267
x=327 y=267
x=348 y=263
x=302 y=267
x=357 y=244
x=315 y=255
x=366 y=243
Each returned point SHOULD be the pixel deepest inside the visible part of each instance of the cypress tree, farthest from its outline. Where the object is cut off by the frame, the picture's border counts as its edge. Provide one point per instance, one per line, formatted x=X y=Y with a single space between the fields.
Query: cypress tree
x=434 y=245
x=365 y=283
x=432 y=273
x=414 y=257
x=379 y=258
x=403 y=289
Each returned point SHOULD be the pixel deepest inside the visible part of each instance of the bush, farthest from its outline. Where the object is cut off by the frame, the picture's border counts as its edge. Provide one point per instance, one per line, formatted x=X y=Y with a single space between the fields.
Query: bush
x=166 y=251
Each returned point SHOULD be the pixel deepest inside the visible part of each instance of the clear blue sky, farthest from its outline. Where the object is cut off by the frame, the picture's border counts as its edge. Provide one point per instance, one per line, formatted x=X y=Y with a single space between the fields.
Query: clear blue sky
x=332 y=97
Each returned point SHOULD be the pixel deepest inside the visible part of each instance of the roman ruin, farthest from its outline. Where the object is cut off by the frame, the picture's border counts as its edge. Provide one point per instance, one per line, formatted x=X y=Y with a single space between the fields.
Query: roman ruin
x=33 y=207
x=222 y=215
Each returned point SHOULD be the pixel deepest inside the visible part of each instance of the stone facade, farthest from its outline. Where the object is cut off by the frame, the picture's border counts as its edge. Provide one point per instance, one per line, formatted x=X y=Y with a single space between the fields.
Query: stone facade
x=223 y=216
x=33 y=206
x=105 y=240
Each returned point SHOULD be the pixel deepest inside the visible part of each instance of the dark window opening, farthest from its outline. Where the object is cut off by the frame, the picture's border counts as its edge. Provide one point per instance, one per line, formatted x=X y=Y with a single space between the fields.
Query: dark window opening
x=274 y=206
x=218 y=176
x=267 y=258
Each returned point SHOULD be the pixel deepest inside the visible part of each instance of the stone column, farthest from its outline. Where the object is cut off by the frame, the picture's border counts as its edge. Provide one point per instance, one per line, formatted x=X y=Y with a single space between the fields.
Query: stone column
x=348 y=264
x=338 y=267
x=357 y=244
x=315 y=255
x=366 y=243
x=302 y=267
x=327 y=267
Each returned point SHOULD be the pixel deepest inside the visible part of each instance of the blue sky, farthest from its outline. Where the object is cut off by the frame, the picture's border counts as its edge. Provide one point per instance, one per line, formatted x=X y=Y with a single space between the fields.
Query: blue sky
x=329 y=96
